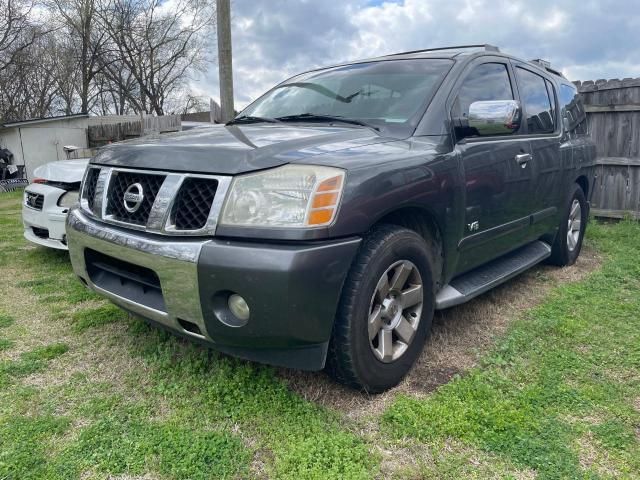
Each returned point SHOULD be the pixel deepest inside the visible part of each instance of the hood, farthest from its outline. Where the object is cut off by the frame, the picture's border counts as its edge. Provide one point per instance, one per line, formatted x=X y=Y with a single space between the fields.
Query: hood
x=234 y=149
x=64 y=171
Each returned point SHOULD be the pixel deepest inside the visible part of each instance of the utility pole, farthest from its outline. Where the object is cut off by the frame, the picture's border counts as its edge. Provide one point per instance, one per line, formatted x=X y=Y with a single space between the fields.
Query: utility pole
x=225 y=71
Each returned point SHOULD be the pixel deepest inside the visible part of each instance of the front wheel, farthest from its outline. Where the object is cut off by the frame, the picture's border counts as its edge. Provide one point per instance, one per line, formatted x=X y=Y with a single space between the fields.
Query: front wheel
x=568 y=243
x=385 y=312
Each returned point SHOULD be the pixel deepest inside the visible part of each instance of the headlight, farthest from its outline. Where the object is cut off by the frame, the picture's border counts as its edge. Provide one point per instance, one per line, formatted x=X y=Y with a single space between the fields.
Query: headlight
x=68 y=199
x=294 y=196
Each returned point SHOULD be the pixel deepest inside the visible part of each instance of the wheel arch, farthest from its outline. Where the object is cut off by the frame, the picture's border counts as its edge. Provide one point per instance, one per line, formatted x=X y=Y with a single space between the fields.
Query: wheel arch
x=425 y=224
x=583 y=183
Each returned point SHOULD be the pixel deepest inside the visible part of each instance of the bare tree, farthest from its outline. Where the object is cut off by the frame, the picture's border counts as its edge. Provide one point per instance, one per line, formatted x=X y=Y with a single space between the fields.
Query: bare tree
x=158 y=45
x=67 y=74
x=101 y=56
x=79 y=18
x=194 y=103
x=17 y=30
x=29 y=84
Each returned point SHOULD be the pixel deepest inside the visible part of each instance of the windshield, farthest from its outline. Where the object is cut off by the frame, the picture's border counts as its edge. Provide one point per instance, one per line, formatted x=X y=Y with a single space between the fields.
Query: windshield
x=383 y=93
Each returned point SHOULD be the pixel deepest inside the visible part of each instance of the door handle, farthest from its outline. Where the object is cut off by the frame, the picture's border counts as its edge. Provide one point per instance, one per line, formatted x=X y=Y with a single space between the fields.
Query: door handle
x=523 y=159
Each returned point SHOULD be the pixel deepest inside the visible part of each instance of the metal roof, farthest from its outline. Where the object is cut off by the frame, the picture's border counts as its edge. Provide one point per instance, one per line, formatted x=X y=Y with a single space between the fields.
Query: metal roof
x=33 y=121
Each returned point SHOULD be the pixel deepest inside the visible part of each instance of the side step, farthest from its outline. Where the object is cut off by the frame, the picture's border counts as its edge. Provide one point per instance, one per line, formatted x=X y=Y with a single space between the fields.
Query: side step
x=484 y=278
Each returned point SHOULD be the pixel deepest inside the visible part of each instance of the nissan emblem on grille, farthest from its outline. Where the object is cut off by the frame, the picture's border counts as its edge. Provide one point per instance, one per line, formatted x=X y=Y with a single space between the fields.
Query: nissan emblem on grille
x=133 y=197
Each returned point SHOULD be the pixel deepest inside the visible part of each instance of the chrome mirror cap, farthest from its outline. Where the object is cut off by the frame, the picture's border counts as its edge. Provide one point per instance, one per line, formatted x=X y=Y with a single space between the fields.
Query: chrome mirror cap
x=495 y=117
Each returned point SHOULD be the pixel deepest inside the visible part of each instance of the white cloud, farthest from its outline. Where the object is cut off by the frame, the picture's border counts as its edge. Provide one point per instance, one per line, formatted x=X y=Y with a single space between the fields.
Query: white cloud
x=273 y=40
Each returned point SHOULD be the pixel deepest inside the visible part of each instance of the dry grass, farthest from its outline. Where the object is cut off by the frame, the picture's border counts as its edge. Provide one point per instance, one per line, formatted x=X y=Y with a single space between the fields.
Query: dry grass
x=593 y=457
x=460 y=335
x=29 y=317
x=409 y=459
x=103 y=357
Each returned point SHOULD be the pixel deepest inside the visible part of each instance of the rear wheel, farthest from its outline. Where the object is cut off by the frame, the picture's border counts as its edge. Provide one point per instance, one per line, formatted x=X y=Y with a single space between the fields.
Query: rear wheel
x=385 y=312
x=568 y=243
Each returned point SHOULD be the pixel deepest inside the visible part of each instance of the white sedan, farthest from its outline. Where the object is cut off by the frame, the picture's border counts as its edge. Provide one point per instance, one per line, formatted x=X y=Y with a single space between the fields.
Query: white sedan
x=47 y=201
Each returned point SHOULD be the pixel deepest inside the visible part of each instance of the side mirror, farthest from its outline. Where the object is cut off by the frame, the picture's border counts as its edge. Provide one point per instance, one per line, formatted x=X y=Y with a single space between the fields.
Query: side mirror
x=495 y=117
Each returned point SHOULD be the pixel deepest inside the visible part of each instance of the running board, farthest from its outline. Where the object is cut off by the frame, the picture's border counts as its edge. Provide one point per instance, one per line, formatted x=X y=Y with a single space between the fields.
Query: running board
x=465 y=287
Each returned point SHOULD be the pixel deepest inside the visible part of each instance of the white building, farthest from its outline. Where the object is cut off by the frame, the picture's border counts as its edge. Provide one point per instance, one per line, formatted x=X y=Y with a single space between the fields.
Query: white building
x=36 y=142
x=39 y=141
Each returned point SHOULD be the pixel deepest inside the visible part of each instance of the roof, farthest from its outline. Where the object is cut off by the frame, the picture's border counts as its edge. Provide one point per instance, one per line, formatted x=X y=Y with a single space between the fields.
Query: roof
x=34 y=121
x=451 y=53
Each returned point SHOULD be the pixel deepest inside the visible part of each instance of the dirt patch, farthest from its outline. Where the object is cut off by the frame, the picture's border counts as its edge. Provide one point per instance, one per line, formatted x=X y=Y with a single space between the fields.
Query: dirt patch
x=30 y=317
x=409 y=459
x=594 y=458
x=101 y=356
x=460 y=335
x=148 y=476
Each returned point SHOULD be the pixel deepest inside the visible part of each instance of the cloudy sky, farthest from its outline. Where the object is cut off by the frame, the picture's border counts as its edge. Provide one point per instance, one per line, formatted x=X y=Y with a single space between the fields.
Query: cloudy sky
x=273 y=39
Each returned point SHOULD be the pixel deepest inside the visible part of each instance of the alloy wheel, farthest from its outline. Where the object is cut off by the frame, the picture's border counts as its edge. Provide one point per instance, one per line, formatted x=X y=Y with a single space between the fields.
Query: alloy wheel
x=395 y=311
x=574 y=225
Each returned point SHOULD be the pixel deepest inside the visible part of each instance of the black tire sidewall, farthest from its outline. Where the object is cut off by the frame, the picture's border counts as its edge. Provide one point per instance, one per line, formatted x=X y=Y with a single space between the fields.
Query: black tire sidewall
x=374 y=375
x=564 y=256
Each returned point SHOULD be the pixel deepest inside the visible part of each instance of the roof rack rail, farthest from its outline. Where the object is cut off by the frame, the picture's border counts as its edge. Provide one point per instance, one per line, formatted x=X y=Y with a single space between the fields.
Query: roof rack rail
x=484 y=46
x=546 y=65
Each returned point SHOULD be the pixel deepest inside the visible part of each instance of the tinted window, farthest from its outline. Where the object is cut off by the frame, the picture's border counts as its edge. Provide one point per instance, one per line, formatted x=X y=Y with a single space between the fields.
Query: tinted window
x=552 y=96
x=537 y=104
x=572 y=110
x=489 y=81
x=388 y=92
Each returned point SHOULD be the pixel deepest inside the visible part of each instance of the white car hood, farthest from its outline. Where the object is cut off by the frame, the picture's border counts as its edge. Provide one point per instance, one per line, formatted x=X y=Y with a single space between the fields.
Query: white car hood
x=67 y=171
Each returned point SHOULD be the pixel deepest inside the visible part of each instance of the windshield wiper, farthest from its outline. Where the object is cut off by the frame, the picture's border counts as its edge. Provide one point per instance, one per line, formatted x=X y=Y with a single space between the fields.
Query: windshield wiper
x=251 y=119
x=314 y=117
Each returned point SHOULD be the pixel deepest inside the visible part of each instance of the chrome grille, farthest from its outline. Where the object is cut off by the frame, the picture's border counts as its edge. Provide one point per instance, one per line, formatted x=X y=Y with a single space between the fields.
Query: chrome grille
x=193 y=203
x=172 y=204
x=89 y=192
x=120 y=182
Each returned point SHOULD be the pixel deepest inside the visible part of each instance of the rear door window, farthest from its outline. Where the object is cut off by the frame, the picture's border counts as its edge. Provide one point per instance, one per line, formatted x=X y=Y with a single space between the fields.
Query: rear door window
x=572 y=110
x=538 y=105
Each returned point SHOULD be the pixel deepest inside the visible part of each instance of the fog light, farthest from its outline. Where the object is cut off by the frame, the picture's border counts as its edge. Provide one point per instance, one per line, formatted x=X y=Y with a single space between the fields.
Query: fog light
x=239 y=307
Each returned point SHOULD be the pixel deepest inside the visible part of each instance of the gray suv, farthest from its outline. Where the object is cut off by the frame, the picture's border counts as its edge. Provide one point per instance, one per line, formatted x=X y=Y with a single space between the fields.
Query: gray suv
x=323 y=226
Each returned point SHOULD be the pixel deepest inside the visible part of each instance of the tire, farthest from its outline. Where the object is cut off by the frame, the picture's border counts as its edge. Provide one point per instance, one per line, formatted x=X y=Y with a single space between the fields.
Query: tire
x=565 y=250
x=365 y=363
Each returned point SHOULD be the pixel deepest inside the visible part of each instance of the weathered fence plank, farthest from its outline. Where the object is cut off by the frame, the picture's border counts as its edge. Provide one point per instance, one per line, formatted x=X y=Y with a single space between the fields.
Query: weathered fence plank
x=631 y=107
x=124 y=128
x=613 y=108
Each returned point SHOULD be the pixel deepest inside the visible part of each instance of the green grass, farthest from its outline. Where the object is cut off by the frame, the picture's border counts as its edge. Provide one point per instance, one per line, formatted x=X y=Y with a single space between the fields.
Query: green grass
x=94 y=317
x=555 y=378
x=6 y=320
x=186 y=413
x=32 y=361
x=98 y=393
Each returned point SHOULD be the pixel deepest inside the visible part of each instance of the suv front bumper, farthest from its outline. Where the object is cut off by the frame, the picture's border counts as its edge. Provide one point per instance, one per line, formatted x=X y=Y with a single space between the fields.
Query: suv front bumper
x=183 y=284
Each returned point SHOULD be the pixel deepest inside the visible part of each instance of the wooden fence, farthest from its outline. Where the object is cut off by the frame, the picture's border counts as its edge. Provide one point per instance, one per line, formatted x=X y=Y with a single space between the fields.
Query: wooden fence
x=613 y=108
x=117 y=129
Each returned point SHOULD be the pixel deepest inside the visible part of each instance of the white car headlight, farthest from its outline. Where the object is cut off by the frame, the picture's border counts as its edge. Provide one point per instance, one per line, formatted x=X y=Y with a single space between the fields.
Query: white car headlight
x=68 y=199
x=296 y=196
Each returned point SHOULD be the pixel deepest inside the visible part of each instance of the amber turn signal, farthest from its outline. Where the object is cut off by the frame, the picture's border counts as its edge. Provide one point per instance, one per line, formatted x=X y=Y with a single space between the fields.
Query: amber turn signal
x=325 y=201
